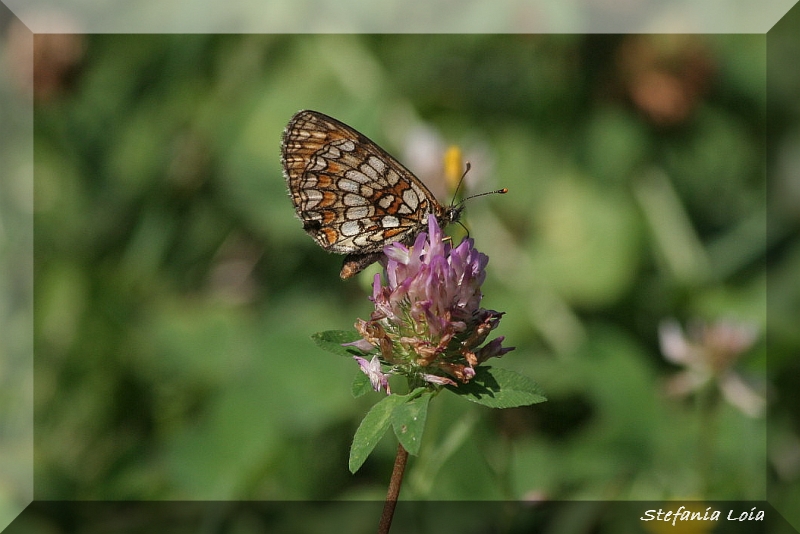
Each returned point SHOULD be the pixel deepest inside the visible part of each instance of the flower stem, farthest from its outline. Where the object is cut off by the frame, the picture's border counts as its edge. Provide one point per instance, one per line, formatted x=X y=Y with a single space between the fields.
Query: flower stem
x=708 y=408
x=394 y=490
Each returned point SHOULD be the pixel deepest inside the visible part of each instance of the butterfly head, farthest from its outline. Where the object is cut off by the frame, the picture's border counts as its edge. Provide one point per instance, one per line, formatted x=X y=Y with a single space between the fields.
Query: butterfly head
x=452 y=214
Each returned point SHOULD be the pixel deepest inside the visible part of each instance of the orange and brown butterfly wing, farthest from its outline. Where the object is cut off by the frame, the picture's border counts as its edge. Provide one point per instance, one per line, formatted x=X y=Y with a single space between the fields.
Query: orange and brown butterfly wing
x=352 y=197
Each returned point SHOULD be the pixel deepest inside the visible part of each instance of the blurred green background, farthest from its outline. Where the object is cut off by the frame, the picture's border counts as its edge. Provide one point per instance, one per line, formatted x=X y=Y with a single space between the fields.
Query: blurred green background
x=176 y=293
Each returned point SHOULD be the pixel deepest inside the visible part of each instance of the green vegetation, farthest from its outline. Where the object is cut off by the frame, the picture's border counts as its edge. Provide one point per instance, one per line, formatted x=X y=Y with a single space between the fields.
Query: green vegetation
x=176 y=292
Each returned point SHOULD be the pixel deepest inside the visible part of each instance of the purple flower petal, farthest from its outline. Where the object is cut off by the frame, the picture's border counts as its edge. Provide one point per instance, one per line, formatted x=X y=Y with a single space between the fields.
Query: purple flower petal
x=372 y=369
x=427 y=313
x=438 y=380
x=362 y=344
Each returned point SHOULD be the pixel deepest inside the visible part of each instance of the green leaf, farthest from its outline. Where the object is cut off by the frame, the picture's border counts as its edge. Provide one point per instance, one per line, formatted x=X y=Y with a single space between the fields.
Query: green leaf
x=500 y=388
x=372 y=429
x=361 y=385
x=331 y=340
x=408 y=421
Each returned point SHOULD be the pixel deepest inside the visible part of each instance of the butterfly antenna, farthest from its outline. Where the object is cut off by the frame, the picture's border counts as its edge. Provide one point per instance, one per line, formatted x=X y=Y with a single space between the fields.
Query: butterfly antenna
x=459 y=206
x=467 y=167
x=495 y=192
x=454 y=204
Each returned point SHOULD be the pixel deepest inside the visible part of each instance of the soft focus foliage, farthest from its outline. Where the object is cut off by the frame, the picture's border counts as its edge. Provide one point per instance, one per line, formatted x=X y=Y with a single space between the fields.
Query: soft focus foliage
x=176 y=292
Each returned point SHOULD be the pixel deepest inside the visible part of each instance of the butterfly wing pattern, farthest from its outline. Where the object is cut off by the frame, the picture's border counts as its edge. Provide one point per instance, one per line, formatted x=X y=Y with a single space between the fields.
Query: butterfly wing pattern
x=352 y=197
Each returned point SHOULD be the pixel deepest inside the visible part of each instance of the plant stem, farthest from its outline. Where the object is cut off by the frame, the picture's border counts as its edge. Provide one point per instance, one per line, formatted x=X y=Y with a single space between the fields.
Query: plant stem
x=708 y=400
x=394 y=490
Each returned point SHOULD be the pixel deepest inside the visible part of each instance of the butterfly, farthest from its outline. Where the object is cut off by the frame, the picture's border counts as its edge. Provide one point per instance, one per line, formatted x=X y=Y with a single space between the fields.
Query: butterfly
x=351 y=195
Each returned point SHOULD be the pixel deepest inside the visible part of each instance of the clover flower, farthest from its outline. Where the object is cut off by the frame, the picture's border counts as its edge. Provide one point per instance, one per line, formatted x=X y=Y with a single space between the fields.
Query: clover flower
x=428 y=324
x=708 y=352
